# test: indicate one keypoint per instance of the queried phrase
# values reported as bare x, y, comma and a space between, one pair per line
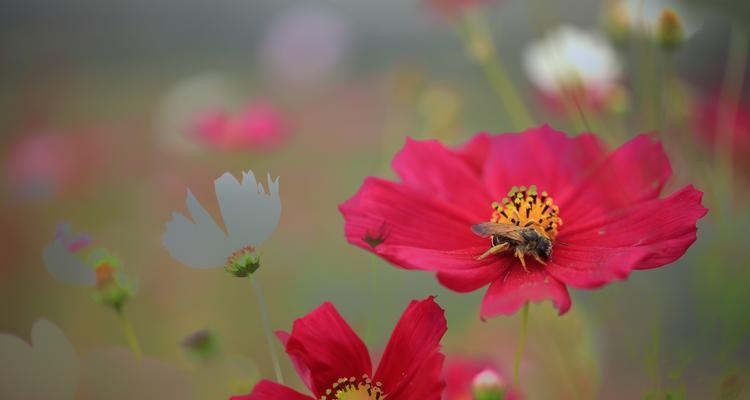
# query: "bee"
521, 240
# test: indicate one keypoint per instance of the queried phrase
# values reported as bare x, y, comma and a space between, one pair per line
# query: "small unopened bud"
243, 262
489, 385
201, 346
670, 33
112, 288
617, 21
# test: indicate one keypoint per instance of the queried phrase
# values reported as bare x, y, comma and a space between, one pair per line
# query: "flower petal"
250, 213
47, 368
635, 172
540, 156
325, 344
411, 362
431, 167
65, 266
471, 279
647, 235
518, 287
409, 222
198, 245
267, 390
302, 371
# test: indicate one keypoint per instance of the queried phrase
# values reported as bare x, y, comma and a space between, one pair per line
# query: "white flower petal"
570, 55
250, 213
201, 244
115, 374
48, 369
66, 266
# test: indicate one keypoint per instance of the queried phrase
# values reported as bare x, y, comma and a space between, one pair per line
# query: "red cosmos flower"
615, 221
707, 115
259, 126
463, 376
334, 363
452, 9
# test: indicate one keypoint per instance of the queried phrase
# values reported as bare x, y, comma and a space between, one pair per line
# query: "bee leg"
538, 259
494, 250
520, 255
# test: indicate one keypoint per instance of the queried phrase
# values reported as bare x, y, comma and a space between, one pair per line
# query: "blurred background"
111, 110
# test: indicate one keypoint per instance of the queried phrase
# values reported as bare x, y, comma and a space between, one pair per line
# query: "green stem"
130, 335
481, 48
374, 288
267, 329
521, 343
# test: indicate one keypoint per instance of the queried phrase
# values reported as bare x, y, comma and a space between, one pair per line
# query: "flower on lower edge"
250, 215
570, 65
469, 379
259, 126
334, 363
452, 9
46, 367
64, 260
615, 219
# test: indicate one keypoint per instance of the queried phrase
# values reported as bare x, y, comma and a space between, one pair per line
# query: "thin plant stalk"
480, 47
267, 329
130, 336
374, 290
521, 343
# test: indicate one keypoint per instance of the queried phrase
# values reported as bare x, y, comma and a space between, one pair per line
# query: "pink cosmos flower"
259, 126
334, 363
615, 220
42, 165
463, 376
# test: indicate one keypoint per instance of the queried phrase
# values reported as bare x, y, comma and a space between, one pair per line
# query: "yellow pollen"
528, 208
354, 389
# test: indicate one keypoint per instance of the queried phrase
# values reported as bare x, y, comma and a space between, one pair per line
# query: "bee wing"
487, 229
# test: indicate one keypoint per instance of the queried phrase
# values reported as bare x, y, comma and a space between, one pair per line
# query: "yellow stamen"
354, 389
528, 208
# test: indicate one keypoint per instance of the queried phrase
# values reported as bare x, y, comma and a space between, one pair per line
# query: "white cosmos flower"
116, 374
570, 56
45, 369
250, 214
62, 261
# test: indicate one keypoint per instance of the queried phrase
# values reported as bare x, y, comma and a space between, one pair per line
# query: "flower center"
528, 208
354, 389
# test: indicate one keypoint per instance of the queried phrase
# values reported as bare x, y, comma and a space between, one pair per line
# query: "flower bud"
243, 262
489, 385
112, 288
670, 33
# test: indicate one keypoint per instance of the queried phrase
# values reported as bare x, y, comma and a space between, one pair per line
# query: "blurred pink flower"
708, 115
452, 8
463, 374
306, 45
47, 163
259, 126
40, 165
